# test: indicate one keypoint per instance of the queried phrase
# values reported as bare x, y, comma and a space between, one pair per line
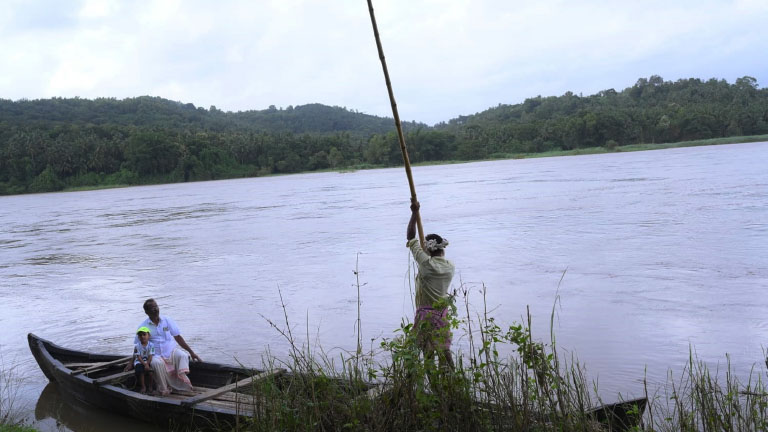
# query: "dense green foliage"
16, 428
47, 145
653, 110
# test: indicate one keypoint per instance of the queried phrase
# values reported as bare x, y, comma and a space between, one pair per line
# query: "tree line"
50, 144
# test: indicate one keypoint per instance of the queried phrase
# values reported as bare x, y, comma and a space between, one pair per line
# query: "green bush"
46, 181
87, 179
122, 177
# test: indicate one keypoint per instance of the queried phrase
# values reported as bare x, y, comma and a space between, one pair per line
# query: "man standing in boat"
431, 324
170, 364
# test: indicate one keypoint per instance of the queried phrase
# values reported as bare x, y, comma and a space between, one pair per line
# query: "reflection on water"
54, 411
61, 259
664, 250
163, 214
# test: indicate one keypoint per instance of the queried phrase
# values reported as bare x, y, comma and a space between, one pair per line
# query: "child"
143, 352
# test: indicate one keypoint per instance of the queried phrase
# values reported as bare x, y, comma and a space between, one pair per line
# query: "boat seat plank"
100, 366
239, 398
185, 393
212, 393
230, 398
242, 409
78, 365
111, 379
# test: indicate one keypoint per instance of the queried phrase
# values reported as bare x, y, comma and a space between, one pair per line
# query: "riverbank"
575, 152
618, 149
248, 173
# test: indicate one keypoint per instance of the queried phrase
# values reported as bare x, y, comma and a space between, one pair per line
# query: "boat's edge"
42, 356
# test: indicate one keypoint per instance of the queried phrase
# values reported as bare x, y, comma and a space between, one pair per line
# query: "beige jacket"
434, 277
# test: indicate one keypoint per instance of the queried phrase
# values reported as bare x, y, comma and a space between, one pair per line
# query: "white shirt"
161, 335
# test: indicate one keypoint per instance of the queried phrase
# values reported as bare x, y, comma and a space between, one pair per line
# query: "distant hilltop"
149, 111
58, 143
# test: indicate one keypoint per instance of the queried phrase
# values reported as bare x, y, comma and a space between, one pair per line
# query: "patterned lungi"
432, 328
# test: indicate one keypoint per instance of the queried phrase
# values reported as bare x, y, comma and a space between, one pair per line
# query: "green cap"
143, 330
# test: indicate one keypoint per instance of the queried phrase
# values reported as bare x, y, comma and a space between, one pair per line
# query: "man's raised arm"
411, 231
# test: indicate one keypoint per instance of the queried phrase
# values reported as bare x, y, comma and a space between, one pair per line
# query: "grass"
700, 400
694, 143
11, 419
636, 147
16, 428
531, 391
94, 187
534, 389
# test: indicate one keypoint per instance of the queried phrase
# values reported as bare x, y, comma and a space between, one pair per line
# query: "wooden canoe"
220, 395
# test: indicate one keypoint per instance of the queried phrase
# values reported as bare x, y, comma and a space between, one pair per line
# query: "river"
659, 252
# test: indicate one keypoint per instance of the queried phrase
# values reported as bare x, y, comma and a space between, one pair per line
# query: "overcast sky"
446, 57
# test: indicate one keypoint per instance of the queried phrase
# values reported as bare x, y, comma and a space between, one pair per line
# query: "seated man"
170, 364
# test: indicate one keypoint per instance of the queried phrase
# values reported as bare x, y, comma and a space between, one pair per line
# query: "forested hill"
156, 112
652, 110
47, 145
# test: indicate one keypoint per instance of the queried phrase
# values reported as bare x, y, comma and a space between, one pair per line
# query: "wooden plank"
242, 409
230, 399
231, 396
184, 393
210, 394
238, 397
78, 365
228, 396
109, 379
100, 366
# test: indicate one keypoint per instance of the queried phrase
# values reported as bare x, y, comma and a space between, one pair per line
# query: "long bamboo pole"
403, 149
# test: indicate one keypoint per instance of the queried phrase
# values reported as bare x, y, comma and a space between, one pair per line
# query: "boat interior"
214, 385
